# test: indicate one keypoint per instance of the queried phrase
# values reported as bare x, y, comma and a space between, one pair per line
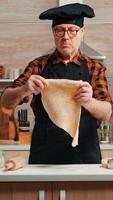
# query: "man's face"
67, 38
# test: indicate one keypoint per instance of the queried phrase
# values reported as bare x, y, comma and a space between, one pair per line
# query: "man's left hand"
84, 94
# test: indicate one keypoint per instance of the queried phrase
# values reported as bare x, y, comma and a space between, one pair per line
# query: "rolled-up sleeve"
32, 68
99, 83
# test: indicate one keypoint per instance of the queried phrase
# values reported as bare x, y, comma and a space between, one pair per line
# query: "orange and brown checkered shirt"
96, 70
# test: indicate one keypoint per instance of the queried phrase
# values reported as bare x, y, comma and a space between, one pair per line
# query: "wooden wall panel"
20, 43
109, 71
103, 10
100, 37
23, 36
110, 83
23, 10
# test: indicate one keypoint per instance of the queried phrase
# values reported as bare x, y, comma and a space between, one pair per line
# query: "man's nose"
66, 34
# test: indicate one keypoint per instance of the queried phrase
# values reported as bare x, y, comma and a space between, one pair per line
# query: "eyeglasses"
59, 32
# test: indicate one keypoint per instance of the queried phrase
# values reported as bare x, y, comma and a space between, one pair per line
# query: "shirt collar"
58, 58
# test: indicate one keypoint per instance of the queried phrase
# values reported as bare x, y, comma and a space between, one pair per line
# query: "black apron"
51, 144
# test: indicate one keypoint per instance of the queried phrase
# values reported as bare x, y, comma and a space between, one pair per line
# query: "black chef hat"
68, 14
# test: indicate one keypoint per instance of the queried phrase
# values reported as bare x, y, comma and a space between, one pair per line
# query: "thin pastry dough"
58, 101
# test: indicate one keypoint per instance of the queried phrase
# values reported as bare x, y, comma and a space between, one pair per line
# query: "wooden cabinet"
83, 191
25, 191
56, 191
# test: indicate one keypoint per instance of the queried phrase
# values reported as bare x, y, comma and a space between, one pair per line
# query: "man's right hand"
34, 85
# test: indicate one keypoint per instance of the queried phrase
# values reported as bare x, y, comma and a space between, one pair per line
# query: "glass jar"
104, 132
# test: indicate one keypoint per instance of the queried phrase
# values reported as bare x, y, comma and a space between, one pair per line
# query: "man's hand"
34, 85
84, 94
101, 110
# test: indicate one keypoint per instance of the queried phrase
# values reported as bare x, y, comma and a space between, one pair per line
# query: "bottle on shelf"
1, 71
103, 132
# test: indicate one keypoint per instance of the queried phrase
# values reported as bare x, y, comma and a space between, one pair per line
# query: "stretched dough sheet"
58, 101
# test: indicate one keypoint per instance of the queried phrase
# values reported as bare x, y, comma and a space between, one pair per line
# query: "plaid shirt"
96, 70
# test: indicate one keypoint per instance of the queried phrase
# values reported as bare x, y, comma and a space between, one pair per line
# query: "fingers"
84, 93
39, 81
35, 84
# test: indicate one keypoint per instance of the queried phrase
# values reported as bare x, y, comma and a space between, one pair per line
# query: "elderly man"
51, 144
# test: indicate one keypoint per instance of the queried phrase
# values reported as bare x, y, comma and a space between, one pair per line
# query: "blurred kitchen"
23, 37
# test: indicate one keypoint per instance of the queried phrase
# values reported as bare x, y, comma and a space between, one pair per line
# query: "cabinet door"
83, 191
25, 191
64, 191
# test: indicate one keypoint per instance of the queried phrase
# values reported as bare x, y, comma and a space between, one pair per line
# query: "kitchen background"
24, 37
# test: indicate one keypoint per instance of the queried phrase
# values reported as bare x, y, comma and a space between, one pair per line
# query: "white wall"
62, 2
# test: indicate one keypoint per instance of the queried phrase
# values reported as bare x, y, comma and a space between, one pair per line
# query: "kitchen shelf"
13, 147
6, 80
